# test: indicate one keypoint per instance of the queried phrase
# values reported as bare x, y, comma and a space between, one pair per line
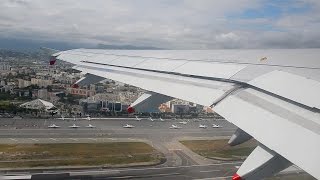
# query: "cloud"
178, 24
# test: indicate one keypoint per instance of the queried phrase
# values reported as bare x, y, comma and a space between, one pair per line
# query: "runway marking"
53, 139
73, 139
174, 167
82, 172
216, 170
34, 139
157, 168
224, 177
17, 177
13, 139
142, 176
93, 139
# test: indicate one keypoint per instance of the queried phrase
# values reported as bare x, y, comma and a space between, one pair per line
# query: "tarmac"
181, 163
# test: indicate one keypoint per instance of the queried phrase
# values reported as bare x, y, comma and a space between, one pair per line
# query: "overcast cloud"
177, 24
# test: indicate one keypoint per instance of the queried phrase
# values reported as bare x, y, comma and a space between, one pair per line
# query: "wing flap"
284, 130
290, 86
88, 79
160, 64
261, 163
210, 69
148, 102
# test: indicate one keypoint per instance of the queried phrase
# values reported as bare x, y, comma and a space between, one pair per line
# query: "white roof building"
38, 104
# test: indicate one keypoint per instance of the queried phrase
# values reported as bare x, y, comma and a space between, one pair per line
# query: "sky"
168, 24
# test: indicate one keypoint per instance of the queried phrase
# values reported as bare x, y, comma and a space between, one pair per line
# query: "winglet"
130, 110
53, 60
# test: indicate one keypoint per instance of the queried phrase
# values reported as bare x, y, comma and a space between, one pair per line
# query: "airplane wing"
271, 95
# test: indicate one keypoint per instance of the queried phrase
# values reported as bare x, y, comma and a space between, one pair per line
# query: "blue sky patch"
273, 9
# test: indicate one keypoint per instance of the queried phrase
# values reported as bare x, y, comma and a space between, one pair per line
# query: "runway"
157, 133
181, 163
217, 171
113, 128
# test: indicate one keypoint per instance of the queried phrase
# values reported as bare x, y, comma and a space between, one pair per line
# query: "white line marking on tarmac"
225, 177
13, 139
174, 167
34, 139
75, 173
141, 176
93, 139
73, 139
216, 170
16, 177
153, 168
53, 139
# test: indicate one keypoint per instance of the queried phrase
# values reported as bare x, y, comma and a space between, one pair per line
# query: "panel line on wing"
232, 90
145, 59
155, 77
201, 60
167, 72
208, 78
279, 111
210, 90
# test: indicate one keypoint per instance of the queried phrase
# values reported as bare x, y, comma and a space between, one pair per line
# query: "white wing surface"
271, 95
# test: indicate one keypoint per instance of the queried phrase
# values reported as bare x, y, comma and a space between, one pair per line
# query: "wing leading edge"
265, 100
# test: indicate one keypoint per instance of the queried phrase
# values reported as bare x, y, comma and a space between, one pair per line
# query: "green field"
219, 149
4, 103
77, 154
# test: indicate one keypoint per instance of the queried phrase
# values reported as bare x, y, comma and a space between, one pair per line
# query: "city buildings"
41, 82
81, 92
179, 108
38, 104
43, 94
5, 67
23, 83
30, 77
6, 88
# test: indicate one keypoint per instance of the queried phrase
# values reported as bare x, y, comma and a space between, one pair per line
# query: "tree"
6, 96
49, 88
